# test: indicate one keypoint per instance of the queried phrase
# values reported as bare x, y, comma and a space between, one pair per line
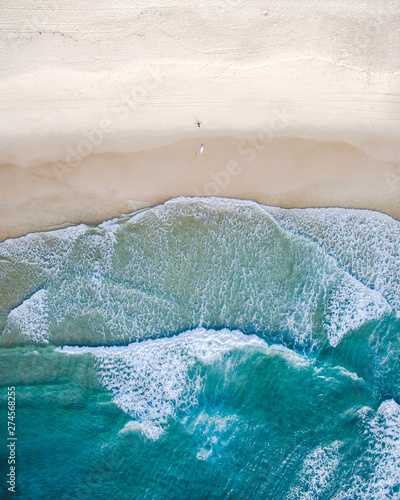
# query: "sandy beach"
298, 106
213, 320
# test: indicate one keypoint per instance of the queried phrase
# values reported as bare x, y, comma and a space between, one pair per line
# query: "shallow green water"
232, 351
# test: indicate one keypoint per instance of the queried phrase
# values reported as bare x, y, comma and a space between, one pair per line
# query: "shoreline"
284, 172
298, 106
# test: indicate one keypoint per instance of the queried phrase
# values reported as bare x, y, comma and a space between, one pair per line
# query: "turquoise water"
205, 348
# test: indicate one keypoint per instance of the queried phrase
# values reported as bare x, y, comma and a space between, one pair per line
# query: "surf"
188, 263
254, 348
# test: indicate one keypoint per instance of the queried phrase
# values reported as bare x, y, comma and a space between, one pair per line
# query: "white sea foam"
215, 429
151, 380
385, 449
49, 250
350, 303
30, 319
316, 474
291, 356
350, 306
383, 454
189, 262
149, 429
366, 243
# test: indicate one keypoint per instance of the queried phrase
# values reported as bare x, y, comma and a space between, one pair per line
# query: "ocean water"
204, 349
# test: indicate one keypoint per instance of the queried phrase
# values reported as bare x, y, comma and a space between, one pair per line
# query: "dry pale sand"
299, 106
